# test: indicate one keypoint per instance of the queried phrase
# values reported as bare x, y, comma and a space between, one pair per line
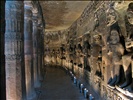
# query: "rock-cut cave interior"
66, 50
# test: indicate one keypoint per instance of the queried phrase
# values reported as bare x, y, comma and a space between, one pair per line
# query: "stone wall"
97, 48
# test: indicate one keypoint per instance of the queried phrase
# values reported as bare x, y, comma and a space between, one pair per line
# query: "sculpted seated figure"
128, 57
116, 50
128, 67
129, 22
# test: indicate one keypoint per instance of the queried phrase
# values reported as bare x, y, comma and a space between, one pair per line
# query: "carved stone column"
2, 56
28, 50
43, 51
42, 54
39, 47
14, 51
35, 57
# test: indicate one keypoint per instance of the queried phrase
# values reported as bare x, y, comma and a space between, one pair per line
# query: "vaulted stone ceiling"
60, 15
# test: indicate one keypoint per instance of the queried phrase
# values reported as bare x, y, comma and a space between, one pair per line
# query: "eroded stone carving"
103, 22
127, 59
129, 22
112, 16
79, 52
63, 51
116, 50
96, 53
87, 52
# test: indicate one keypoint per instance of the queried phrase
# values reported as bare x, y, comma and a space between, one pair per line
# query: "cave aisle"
57, 85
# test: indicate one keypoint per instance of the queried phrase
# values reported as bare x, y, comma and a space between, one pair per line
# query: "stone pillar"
14, 51
35, 57
2, 56
42, 55
39, 47
28, 50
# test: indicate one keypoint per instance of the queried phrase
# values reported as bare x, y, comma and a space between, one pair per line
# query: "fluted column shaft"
35, 57
14, 51
39, 52
28, 51
42, 54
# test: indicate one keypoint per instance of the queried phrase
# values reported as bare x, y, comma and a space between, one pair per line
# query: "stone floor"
58, 85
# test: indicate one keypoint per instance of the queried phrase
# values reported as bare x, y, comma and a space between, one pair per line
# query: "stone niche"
101, 40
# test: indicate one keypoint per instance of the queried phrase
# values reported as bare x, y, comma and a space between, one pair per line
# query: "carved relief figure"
96, 21
80, 55
53, 56
128, 57
75, 54
129, 22
71, 50
111, 15
63, 51
97, 52
116, 50
86, 51
56, 55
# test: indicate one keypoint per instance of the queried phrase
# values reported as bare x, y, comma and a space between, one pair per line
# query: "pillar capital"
34, 21
28, 4
32, 6
14, 10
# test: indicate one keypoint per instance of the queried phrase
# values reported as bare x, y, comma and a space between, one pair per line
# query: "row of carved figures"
114, 50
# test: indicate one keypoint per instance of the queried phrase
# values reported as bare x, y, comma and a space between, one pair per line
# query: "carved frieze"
107, 51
